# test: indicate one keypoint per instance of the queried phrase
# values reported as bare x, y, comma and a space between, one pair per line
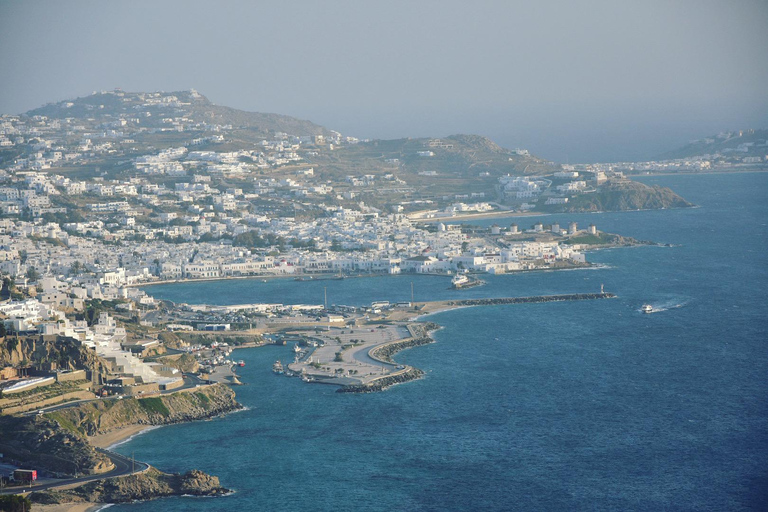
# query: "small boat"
241, 363
278, 367
647, 308
296, 349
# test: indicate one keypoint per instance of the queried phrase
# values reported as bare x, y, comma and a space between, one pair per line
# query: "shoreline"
486, 215
327, 276
587, 266
71, 507
694, 173
122, 435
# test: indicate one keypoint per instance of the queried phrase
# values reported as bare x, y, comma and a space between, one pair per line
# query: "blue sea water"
560, 406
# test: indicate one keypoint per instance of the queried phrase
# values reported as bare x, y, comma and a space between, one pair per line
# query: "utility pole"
325, 291
412, 295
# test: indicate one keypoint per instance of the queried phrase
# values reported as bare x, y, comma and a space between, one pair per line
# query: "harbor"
357, 356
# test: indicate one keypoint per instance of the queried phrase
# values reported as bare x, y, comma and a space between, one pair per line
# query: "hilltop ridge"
744, 143
116, 152
109, 104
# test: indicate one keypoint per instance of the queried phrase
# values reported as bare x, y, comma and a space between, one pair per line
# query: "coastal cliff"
143, 486
102, 416
57, 442
67, 353
620, 196
42, 443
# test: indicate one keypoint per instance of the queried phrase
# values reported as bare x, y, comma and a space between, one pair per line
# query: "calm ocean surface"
563, 406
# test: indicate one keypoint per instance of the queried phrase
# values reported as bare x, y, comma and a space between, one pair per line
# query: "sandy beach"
69, 507
117, 436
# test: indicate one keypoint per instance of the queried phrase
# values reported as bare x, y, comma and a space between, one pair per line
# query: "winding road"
123, 466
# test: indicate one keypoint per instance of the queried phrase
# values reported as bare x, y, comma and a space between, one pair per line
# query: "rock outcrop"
144, 486
103, 416
44, 444
620, 196
67, 353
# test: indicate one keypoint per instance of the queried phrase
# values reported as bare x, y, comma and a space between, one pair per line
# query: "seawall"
529, 300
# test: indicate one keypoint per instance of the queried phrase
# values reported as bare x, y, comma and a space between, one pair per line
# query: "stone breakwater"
384, 354
530, 300
383, 383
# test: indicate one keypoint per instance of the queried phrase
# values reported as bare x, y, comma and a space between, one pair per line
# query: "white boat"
459, 280
278, 367
647, 308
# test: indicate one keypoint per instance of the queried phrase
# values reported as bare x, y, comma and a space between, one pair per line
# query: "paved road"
123, 466
190, 381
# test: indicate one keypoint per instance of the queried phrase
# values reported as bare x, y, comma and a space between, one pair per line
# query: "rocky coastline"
103, 416
60, 443
143, 486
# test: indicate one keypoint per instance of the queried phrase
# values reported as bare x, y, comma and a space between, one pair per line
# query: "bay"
558, 406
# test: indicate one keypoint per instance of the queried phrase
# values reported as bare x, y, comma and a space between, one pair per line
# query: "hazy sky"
569, 80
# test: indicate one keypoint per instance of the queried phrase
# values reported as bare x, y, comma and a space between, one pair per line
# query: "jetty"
434, 306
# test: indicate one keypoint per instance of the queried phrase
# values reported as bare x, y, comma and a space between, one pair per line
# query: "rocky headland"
102, 416
59, 444
143, 486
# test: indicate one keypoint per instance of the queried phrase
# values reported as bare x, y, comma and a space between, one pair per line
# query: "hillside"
42, 443
433, 167
626, 195
107, 106
742, 143
98, 417
123, 150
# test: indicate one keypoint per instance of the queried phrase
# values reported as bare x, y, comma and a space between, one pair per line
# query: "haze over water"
560, 406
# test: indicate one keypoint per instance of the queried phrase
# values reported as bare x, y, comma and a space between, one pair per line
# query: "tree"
14, 503
76, 268
32, 274
23, 256
5, 293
